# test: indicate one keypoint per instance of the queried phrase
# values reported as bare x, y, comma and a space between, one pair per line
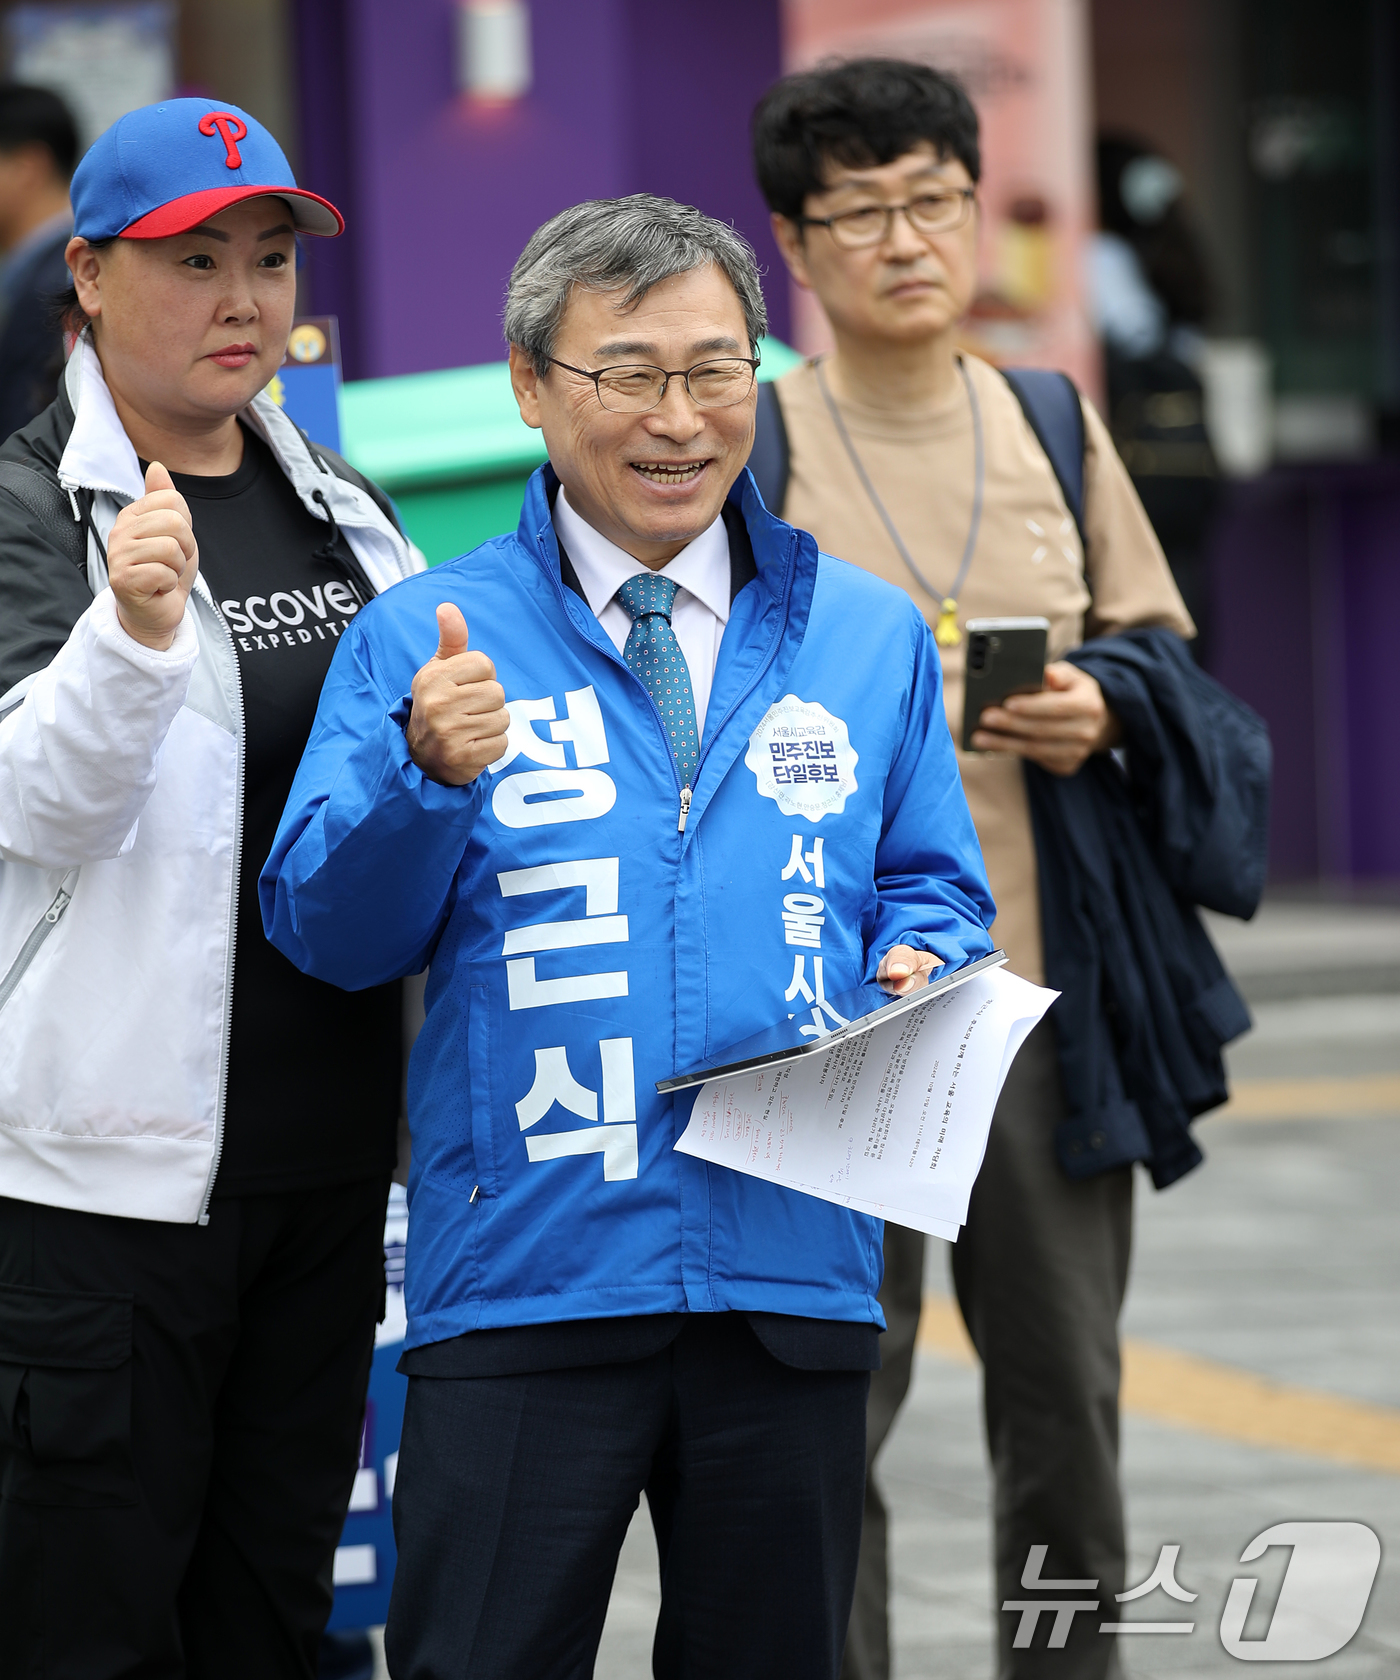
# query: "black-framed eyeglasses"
635, 388
938, 212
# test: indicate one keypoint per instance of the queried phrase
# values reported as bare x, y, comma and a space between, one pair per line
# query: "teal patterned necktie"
655, 655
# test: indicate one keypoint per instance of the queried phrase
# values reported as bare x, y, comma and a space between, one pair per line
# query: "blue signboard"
307, 385
365, 1557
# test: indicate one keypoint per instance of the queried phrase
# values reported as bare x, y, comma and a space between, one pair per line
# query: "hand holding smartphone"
1005, 656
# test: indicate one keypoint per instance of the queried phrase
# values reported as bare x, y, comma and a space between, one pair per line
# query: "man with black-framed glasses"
940, 207
700, 785
916, 460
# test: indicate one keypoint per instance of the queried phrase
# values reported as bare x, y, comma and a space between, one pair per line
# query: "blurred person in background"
38, 149
195, 1138
1150, 293
926, 466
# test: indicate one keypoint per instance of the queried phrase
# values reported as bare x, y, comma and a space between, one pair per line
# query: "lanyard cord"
89, 527
946, 631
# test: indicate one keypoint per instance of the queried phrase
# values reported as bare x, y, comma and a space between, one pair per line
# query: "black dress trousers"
514, 1493
180, 1411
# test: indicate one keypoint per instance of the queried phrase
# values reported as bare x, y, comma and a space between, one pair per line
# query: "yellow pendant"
946, 632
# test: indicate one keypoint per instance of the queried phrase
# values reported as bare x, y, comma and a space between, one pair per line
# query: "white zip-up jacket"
121, 805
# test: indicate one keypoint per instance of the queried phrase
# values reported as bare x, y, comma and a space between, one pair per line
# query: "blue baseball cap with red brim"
166, 168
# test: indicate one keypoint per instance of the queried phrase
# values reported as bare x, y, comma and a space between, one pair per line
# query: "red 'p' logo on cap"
230, 130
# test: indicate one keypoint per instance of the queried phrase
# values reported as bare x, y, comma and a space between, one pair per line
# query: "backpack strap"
1050, 403
769, 459
40, 495
1049, 400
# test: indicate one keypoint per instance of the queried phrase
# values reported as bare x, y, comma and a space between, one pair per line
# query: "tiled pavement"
1279, 1258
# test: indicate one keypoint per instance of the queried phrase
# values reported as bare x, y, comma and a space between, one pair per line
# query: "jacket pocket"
483, 1079
36, 936
65, 1398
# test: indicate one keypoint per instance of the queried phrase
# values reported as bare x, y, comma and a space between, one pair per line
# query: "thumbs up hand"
452, 632
152, 560
459, 721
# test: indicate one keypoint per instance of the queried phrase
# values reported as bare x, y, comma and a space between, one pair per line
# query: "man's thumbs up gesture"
459, 721
152, 559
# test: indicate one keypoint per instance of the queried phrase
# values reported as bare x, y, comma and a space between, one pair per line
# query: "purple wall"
1306, 570
441, 195
323, 51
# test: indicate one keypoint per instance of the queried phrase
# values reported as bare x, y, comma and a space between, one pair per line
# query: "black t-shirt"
314, 1072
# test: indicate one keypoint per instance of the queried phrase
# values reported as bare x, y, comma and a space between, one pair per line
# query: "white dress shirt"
701, 610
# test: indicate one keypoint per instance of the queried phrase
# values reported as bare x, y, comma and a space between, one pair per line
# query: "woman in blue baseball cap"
195, 1139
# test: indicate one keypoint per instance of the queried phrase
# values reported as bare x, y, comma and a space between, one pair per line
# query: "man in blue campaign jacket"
724, 792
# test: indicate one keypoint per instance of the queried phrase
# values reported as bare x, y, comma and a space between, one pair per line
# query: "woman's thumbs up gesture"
152, 559
459, 721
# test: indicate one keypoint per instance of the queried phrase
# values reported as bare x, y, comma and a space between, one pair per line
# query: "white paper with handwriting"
894, 1122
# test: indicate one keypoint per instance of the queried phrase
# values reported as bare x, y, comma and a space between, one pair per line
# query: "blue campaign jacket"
582, 946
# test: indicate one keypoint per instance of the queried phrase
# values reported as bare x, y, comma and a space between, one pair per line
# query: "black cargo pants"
180, 1410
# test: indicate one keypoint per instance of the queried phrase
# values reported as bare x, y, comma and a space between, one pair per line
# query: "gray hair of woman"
625, 245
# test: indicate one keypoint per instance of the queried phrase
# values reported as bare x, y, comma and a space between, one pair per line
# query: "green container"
451, 449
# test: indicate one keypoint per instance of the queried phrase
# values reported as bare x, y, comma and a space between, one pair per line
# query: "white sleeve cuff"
180, 655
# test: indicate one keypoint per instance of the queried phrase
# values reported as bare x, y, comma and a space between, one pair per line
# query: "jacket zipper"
739, 699
233, 908
37, 935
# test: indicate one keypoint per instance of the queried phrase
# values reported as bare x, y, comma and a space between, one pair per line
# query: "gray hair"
627, 245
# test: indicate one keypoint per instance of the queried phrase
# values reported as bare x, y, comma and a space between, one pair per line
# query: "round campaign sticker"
803, 758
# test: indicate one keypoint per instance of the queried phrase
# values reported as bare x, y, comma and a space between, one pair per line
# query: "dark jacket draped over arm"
1127, 849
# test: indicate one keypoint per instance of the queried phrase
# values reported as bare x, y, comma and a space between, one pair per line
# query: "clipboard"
849, 1015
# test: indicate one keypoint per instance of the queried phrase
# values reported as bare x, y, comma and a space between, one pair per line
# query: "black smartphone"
1005, 656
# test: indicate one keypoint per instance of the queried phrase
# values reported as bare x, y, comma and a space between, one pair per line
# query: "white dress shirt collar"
702, 566
701, 608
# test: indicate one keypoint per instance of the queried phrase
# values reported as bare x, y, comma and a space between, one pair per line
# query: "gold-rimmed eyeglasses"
938, 212
635, 388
